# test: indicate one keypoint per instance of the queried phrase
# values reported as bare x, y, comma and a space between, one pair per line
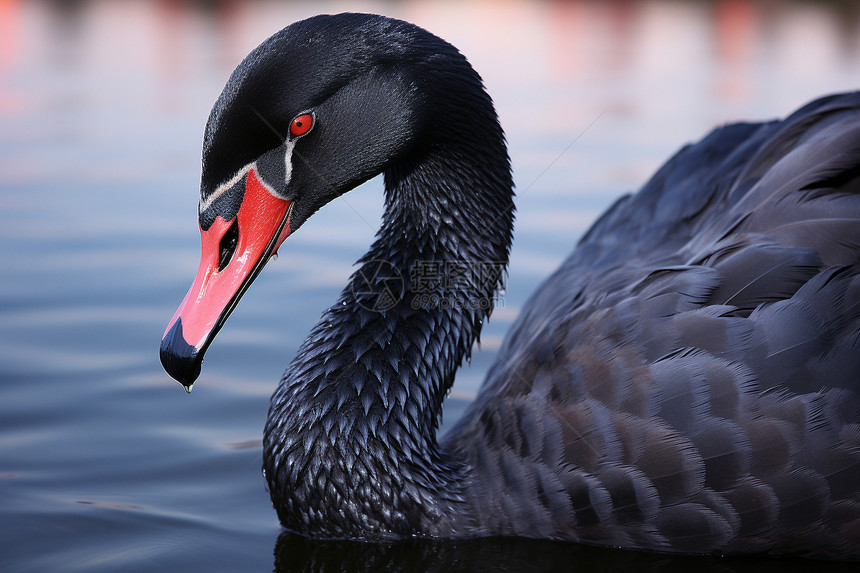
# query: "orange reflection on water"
8, 50
735, 25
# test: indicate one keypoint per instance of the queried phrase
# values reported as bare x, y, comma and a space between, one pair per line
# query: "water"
105, 463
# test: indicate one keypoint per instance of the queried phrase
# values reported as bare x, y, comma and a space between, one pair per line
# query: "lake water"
105, 463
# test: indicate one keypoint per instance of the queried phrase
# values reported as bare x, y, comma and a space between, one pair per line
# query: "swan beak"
233, 254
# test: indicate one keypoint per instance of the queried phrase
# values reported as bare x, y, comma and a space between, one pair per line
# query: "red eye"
301, 125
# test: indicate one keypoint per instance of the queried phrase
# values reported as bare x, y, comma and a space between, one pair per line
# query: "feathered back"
688, 379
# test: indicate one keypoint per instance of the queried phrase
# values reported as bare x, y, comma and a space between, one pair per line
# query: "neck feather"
350, 447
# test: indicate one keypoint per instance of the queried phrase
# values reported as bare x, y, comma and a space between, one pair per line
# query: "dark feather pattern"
686, 381
733, 338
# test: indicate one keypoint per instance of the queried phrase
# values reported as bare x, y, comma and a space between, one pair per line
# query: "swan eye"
301, 125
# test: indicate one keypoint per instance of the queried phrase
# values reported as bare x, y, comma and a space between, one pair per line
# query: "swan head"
317, 109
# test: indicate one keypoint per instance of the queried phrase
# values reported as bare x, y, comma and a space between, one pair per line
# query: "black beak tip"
179, 359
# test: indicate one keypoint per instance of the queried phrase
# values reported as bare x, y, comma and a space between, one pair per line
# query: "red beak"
233, 254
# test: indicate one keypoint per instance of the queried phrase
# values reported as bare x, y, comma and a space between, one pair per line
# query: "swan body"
687, 381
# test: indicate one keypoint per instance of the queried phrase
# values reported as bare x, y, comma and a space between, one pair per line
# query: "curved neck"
350, 447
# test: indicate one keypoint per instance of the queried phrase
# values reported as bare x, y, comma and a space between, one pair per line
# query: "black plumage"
718, 311
686, 381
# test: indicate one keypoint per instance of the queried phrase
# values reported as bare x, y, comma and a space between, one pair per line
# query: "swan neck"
356, 415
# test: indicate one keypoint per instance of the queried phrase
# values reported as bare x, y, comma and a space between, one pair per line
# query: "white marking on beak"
223, 188
227, 185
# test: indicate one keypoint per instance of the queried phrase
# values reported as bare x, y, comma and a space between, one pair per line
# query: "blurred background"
105, 464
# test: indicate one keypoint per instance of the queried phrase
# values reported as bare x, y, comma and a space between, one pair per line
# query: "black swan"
686, 382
